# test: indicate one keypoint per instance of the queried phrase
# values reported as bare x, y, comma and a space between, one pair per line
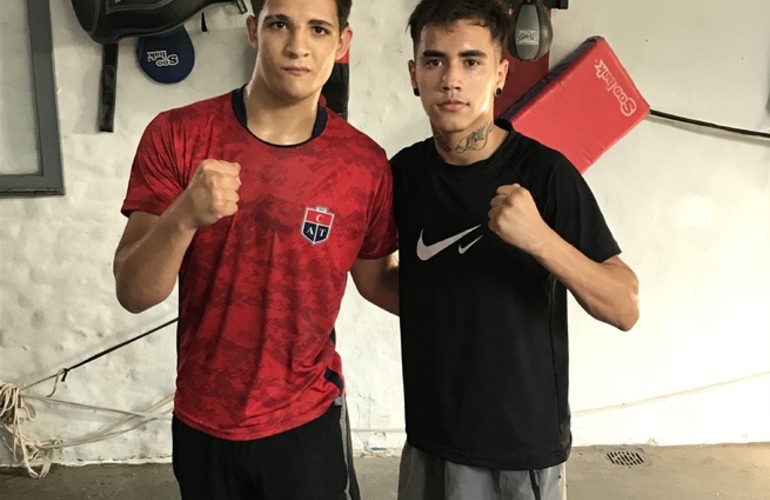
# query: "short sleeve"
155, 181
381, 239
575, 215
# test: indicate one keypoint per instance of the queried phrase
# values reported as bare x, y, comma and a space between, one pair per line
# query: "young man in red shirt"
261, 201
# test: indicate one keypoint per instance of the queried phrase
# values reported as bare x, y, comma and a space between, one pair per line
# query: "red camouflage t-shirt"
259, 292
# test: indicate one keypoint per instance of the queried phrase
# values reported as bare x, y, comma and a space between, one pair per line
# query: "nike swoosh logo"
427, 252
463, 249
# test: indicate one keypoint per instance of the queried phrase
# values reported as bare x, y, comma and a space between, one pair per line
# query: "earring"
498, 92
416, 92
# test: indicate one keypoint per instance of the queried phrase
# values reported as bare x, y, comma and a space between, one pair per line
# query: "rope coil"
16, 411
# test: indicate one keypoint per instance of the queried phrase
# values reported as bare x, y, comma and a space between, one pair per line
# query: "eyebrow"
286, 19
464, 53
321, 22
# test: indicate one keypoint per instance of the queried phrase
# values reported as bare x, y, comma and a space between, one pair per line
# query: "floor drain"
625, 458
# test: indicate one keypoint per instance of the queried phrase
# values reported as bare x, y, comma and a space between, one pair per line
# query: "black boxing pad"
336, 91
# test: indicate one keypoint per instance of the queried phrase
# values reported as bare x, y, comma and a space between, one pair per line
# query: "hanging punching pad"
583, 106
531, 32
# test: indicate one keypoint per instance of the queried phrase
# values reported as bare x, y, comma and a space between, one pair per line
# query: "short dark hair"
491, 14
343, 10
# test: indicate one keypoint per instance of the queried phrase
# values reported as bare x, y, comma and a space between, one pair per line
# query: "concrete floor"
730, 472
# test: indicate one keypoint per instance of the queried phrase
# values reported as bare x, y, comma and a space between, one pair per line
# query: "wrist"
545, 243
178, 216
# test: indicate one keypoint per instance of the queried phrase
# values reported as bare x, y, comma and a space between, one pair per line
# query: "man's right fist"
213, 192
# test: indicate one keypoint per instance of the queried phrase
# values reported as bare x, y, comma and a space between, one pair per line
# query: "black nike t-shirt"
483, 324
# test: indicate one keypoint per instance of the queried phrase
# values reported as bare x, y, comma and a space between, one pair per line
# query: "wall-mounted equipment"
531, 33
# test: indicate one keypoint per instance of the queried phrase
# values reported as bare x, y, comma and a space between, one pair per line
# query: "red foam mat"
522, 76
583, 106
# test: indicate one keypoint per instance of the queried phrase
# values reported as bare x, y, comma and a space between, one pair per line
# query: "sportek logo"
427, 252
627, 104
162, 58
317, 224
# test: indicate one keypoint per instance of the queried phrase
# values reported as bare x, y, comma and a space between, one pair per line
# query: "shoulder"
176, 125
350, 142
411, 154
205, 109
340, 129
538, 161
537, 154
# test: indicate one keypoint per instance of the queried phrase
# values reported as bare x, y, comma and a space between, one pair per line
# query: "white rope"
15, 411
140, 414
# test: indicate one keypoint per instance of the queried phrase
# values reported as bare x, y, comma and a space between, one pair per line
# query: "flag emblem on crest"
317, 224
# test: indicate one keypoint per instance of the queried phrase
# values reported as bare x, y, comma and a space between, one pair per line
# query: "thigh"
305, 463
542, 484
420, 475
551, 482
204, 466
423, 476
353, 491
190, 458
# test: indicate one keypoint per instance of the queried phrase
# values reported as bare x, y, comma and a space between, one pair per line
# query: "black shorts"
311, 462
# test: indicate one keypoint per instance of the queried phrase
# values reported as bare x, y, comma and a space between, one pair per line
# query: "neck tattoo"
442, 144
476, 141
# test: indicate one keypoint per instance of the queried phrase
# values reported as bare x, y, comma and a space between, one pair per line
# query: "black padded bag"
108, 21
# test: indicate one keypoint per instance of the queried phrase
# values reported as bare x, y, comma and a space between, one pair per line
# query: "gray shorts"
426, 477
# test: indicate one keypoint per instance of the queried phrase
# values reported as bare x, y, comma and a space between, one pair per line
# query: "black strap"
114, 348
108, 87
241, 4
535, 485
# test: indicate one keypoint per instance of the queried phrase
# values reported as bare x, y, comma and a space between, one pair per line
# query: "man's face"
297, 43
457, 69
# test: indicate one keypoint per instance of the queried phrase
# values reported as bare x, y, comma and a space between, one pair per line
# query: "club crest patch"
317, 224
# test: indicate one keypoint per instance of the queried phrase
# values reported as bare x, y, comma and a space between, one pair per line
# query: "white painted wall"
691, 210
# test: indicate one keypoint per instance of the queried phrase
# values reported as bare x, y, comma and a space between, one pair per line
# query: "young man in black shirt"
494, 228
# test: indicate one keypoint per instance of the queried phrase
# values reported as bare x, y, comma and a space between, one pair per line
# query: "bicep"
366, 273
574, 213
377, 281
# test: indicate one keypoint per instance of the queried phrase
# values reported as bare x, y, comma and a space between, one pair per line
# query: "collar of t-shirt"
483, 169
239, 108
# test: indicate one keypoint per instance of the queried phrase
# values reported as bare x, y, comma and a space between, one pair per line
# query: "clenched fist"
515, 219
212, 193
